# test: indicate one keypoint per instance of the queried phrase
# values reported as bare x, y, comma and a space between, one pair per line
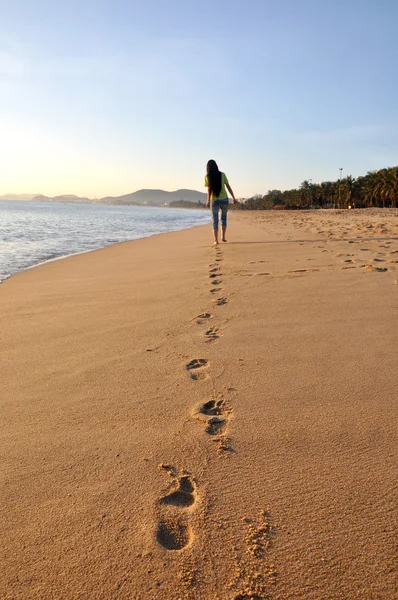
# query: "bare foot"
215, 244
224, 240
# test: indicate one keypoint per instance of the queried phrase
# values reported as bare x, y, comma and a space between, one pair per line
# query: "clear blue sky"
105, 97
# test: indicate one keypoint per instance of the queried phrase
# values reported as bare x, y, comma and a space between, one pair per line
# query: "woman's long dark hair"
214, 177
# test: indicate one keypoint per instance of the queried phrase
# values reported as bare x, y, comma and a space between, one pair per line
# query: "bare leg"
224, 229
215, 231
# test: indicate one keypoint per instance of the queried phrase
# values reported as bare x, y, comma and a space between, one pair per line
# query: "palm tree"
324, 192
388, 186
358, 192
347, 190
305, 188
369, 188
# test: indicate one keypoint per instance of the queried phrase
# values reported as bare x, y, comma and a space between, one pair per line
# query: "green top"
223, 194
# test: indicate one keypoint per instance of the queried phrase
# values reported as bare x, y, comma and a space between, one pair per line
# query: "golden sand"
180, 421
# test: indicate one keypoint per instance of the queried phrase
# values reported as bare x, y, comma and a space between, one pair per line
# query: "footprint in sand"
212, 334
214, 270
196, 368
215, 282
216, 415
221, 301
215, 290
373, 268
214, 411
214, 275
173, 530
203, 318
184, 495
173, 534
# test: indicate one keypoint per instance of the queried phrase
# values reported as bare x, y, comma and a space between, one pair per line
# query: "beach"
187, 422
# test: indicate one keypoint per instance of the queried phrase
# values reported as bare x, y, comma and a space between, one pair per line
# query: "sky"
104, 97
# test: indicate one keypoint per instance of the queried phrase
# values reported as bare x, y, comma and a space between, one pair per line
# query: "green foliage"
186, 204
376, 188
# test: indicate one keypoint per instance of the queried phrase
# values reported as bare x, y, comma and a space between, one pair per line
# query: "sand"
184, 422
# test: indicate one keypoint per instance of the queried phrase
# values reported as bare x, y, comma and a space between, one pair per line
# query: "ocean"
35, 232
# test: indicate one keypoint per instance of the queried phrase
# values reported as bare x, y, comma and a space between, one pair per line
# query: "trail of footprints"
377, 264
380, 262
214, 413
176, 509
212, 333
174, 529
215, 281
365, 232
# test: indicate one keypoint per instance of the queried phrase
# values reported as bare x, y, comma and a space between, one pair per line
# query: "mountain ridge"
143, 197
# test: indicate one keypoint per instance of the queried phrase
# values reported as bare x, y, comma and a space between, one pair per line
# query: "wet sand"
183, 421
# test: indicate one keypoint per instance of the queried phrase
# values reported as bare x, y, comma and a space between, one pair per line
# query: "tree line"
186, 204
375, 189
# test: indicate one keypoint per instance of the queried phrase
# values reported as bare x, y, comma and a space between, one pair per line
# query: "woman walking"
217, 197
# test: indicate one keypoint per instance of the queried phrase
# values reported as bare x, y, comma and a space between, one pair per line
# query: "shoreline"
183, 421
245, 212
63, 256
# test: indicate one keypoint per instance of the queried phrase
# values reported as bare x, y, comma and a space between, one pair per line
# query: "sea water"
35, 232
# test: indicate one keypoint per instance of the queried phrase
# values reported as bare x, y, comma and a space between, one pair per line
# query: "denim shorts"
217, 205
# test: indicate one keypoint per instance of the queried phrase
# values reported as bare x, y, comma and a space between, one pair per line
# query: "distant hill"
156, 197
139, 198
